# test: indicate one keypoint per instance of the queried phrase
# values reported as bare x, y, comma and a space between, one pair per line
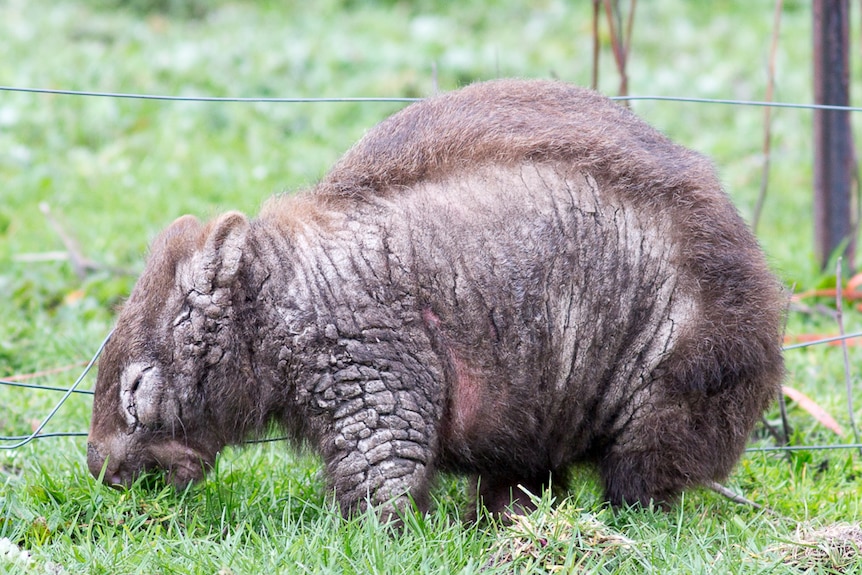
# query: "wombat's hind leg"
670, 448
631, 479
654, 462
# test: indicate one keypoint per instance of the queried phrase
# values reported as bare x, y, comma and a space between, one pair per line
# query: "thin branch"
767, 117
80, 264
435, 83
43, 373
630, 28
596, 45
839, 317
785, 421
619, 44
724, 491
736, 498
619, 58
782, 401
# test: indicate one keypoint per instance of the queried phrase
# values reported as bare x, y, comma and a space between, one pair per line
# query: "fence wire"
22, 440
171, 98
372, 99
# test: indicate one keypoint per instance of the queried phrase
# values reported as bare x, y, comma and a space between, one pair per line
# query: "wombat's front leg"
380, 449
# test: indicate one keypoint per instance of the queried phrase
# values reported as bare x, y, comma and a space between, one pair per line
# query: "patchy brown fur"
502, 281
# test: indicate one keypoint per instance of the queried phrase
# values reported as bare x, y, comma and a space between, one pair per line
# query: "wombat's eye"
139, 378
136, 383
184, 315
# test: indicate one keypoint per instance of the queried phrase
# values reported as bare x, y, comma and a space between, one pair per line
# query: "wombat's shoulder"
509, 122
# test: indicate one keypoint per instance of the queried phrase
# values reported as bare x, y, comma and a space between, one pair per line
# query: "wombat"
501, 281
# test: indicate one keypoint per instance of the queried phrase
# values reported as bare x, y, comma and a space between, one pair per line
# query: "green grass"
115, 171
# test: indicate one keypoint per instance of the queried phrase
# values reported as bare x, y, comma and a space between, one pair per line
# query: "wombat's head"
152, 407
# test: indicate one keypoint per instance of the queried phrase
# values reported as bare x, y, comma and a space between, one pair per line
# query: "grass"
115, 171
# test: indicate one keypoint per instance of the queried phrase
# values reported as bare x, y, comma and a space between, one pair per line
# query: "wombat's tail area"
682, 441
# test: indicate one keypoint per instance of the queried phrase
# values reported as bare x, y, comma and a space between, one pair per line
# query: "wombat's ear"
177, 240
222, 251
174, 245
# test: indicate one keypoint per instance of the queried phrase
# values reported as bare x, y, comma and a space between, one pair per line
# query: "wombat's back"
512, 121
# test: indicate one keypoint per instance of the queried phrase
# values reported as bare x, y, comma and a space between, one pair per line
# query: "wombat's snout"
122, 464
96, 461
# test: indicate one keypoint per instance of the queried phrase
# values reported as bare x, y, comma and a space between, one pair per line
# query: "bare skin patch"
467, 394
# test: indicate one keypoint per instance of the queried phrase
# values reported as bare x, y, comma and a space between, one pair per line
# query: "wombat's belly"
550, 305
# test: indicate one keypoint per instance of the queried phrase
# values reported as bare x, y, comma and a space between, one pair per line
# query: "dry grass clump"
563, 539
835, 548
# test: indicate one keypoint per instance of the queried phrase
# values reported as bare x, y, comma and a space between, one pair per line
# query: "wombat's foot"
641, 478
393, 486
392, 513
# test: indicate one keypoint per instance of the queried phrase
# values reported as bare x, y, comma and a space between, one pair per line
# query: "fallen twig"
81, 264
51, 371
736, 498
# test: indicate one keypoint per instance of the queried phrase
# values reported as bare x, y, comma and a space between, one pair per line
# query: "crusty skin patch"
501, 281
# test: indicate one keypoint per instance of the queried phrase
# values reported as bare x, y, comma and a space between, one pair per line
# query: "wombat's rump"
503, 281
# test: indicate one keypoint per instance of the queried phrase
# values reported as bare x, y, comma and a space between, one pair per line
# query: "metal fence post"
833, 139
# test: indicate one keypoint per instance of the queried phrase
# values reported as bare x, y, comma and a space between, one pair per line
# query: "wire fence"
21, 440
363, 99
15, 442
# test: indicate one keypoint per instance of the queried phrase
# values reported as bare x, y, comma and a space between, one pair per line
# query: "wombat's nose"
96, 461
